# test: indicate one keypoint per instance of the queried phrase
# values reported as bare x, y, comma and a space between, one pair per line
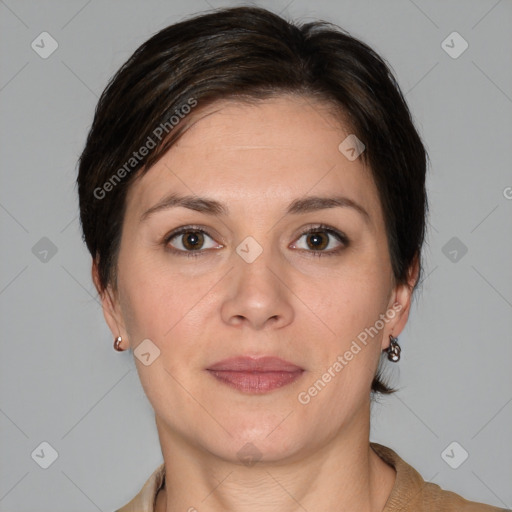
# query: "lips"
255, 375
252, 364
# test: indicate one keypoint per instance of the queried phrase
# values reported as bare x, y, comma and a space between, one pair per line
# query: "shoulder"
411, 492
144, 501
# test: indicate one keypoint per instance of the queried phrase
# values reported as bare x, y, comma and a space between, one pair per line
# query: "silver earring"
393, 349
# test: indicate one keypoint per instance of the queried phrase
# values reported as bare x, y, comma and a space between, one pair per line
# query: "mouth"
255, 375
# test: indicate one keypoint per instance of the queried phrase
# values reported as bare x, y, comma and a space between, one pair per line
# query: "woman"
253, 196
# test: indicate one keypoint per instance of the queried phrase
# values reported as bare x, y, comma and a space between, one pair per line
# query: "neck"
344, 474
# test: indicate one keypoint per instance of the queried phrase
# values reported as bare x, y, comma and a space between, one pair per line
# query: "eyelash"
341, 237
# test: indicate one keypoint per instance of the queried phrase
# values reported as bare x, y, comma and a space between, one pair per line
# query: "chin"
259, 437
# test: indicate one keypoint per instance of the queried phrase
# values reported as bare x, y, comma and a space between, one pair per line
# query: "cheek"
346, 360
353, 298
147, 297
163, 304
351, 305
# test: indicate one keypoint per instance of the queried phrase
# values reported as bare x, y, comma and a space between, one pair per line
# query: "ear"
110, 305
400, 302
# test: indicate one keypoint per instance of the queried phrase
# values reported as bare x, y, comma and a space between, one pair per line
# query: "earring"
117, 343
393, 349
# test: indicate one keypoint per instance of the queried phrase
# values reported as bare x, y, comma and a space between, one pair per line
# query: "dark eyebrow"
314, 203
213, 207
199, 204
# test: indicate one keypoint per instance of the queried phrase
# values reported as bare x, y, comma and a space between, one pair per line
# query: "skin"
288, 303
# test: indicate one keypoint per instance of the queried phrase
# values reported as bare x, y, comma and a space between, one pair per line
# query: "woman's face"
248, 281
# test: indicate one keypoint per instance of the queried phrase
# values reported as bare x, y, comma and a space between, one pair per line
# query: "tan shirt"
409, 494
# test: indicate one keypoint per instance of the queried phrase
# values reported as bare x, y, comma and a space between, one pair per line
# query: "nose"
257, 295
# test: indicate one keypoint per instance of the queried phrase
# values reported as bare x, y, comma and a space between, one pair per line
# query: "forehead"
260, 155
288, 123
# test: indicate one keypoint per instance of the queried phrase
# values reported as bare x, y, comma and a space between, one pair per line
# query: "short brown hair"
250, 53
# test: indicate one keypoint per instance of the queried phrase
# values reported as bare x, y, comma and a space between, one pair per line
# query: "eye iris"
317, 244
194, 238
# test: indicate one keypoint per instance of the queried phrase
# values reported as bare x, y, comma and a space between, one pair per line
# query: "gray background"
60, 379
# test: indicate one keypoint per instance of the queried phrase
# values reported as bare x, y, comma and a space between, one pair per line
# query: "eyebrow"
215, 208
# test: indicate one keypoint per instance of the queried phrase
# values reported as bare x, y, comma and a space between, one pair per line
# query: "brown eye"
317, 240
188, 241
192, 240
